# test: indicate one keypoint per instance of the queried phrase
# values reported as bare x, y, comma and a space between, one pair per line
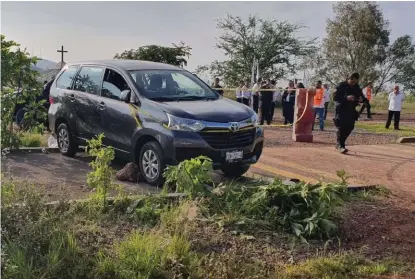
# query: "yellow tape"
250, 89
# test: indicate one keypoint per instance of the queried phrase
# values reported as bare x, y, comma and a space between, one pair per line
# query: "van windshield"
168, 85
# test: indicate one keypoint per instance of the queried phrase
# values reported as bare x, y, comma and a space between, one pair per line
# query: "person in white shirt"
395, 106
326, 99
239, 92
255, 95
274, 98
246, 93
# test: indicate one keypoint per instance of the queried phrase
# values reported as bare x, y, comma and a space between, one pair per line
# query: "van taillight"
51, 100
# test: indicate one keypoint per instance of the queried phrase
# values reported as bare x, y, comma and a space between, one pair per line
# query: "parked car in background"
21, 108
152, 114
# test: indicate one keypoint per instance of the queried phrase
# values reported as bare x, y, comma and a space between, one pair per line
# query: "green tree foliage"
17, 75
176, 55
358, 41
272, 42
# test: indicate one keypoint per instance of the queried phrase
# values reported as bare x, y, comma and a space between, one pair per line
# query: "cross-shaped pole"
62, 52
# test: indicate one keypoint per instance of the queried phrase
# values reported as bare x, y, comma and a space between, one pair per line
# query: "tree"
17, 76
358, 41
175, 55
272, 42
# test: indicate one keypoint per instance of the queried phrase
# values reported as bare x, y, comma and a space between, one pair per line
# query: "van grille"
226, 140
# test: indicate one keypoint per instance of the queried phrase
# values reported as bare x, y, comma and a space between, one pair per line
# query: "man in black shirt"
216, 85
266, 102
288, 102
346, 97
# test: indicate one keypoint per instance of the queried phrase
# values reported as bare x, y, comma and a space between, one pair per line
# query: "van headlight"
184, 124
254, 120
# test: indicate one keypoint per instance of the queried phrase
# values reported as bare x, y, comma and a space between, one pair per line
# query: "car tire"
234, 170
151, 163
66, 144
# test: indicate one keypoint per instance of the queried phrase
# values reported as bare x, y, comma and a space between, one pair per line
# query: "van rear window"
65, 80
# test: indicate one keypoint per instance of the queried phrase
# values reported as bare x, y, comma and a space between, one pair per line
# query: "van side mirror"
125, 96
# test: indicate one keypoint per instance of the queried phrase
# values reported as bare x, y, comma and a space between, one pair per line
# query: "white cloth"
255, 89
238, 92
245, 92
277, 95
327, 95
395, 101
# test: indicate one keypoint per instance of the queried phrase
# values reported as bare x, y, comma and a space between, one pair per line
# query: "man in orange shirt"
319, 100
368, 93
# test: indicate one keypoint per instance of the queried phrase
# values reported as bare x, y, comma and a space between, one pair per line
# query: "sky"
98, 30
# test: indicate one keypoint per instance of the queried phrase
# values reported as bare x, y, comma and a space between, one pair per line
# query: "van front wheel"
151, 163
234, 170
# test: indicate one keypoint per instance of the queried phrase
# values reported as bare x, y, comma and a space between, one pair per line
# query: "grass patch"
380, 129
29, 139
339, 266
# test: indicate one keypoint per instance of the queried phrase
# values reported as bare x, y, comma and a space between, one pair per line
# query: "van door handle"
102, 106
72, 97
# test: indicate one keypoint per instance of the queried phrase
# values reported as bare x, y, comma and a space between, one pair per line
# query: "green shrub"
28, 139
301, 208
100, 178
145, 255
190, 176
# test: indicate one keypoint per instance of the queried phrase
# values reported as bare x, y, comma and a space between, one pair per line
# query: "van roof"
128, 65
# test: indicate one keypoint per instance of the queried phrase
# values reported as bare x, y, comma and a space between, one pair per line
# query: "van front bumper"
186, 145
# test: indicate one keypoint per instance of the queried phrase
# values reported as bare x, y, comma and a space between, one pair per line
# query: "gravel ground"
281, 136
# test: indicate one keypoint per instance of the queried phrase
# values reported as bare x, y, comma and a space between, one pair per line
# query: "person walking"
395, 106
326, 99
239, 92
319, 101
288, 101
367, 92
246, 93
266, 102
255, 94
346, 97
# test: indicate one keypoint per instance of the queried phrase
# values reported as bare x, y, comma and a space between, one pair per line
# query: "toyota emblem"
234, 127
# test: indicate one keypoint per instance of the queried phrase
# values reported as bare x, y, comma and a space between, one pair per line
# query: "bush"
28, 139
148, 255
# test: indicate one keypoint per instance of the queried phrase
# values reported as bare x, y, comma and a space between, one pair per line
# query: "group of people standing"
263, 95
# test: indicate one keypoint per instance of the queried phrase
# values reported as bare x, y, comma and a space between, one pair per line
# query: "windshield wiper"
164, 99
195, 98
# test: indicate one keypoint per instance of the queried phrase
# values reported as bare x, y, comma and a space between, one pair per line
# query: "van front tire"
66, 144
151, 163
234, 170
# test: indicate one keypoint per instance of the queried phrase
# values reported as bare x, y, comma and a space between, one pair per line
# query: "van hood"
220, 110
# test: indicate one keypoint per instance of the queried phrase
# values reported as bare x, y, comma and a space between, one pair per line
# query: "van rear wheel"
151, 163
66, 144
234, 170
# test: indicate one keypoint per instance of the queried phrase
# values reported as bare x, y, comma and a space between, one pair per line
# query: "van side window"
89, 80
66, 78
113, 85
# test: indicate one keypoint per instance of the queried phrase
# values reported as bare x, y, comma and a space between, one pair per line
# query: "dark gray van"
152, 114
